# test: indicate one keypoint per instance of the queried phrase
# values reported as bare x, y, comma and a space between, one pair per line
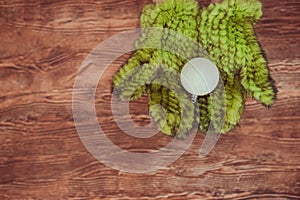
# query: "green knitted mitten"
226, 32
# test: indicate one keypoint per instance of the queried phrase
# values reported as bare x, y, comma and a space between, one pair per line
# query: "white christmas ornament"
199, 76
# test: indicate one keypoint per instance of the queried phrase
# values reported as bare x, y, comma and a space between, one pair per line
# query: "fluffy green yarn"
225, 30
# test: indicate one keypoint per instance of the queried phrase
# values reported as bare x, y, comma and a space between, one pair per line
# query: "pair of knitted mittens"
225, 31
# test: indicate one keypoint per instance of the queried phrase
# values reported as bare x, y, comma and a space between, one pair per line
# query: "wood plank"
43, 43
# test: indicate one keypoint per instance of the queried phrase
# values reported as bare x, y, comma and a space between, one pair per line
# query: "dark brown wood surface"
42, 45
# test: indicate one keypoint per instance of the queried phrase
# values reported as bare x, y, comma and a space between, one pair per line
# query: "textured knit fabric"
225, 31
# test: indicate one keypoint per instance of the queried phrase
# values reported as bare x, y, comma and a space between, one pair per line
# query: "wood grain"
43, 43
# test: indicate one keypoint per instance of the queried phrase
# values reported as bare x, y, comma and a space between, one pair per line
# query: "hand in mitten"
226, 31
159, 68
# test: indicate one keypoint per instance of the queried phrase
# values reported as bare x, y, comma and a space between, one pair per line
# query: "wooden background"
43, 43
